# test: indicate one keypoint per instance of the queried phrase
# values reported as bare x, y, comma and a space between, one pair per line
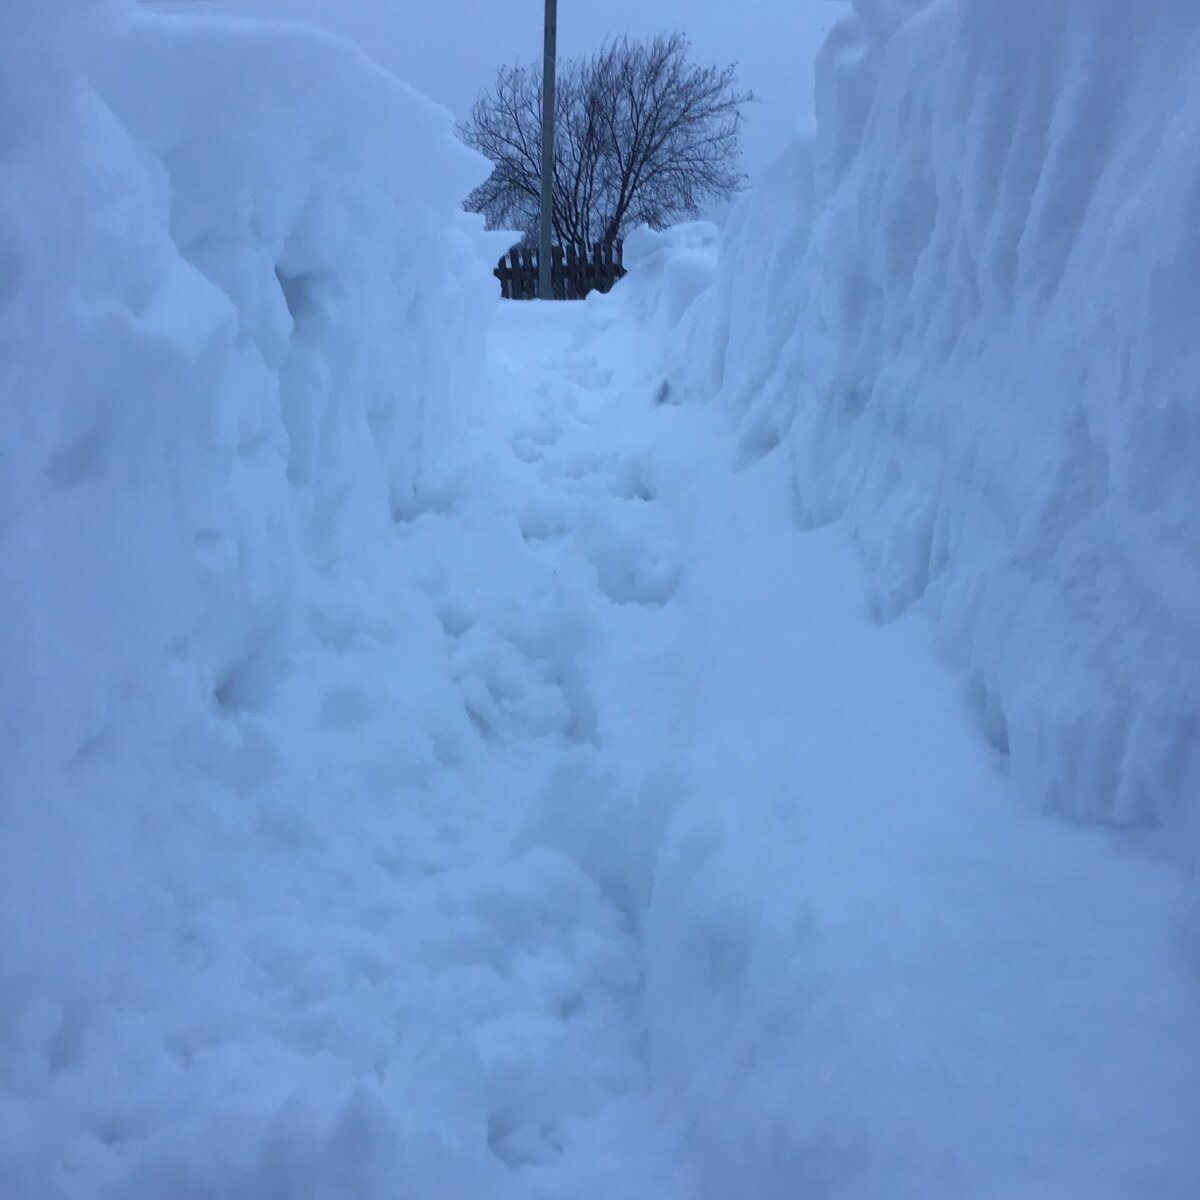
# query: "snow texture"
198, 243
437, 760
194, 366
872, 967
968, 310
239, 309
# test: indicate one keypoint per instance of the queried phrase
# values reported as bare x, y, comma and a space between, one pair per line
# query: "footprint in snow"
531, 442
454, 617
540, 521
590, 375
630, 569
633, 481
648, 581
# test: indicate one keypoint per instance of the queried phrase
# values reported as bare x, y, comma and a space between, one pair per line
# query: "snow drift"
961, 321
238, 309
870, 968
498, 816
968, 307
235, 309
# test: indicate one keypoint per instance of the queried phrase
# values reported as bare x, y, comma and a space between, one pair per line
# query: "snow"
235, 326
967, 309
444, 753
871, 966
266, 428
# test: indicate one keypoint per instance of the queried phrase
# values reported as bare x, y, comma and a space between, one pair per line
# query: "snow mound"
237, 304
239, 310
968, 307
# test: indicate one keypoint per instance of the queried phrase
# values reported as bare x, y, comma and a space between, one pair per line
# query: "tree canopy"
642, 134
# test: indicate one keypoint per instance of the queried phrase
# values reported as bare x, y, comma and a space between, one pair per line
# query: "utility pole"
545, 244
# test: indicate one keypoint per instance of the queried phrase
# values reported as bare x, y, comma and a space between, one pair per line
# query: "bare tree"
642, 135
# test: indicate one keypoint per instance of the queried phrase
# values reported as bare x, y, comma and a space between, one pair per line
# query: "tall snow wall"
237, 301
239, 308
969, 308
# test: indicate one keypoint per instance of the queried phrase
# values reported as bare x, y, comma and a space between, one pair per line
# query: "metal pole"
550, 51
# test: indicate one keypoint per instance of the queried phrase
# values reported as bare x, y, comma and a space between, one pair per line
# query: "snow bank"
869, 968
236, 306
238, 310
969, 307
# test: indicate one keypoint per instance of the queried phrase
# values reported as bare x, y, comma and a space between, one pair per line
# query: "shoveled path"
869, 968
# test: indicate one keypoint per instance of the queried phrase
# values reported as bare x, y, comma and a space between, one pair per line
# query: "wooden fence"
576, 270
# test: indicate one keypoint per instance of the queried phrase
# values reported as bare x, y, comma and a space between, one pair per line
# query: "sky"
450, 49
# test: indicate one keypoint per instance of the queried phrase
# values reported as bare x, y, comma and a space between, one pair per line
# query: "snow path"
869, 967
400, 801
594, 844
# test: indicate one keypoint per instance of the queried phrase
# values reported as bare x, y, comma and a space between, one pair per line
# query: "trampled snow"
873, 967
444, 754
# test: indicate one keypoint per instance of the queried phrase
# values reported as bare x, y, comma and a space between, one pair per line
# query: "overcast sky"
450, 49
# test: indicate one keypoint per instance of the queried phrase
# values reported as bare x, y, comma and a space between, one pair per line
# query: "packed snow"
683, 744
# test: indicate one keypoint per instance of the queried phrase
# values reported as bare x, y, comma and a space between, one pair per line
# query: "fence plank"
518, 269
572, 288
525, 255
556, 273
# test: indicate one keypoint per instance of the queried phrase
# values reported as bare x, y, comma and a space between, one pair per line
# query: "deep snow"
442, 755
872, 967
967, 308
527, 877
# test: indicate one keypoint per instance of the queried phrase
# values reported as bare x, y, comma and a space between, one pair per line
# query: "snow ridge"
968, 308
238, 369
